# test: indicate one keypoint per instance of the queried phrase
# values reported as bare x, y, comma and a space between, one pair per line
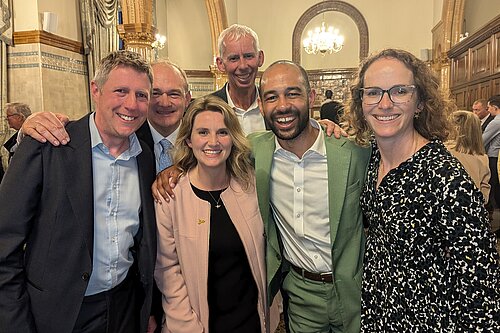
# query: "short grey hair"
19, 108
236, 31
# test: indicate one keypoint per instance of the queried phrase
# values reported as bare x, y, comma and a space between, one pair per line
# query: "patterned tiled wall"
48, 79
200, 86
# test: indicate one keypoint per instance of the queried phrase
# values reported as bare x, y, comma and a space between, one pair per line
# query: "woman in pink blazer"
210, 266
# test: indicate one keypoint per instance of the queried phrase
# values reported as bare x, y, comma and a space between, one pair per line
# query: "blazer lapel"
79, 179
263, 155
338, 171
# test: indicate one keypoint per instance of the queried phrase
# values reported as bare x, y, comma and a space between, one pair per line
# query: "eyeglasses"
11, 115
398, 94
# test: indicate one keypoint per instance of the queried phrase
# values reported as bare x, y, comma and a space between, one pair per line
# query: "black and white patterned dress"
431, 264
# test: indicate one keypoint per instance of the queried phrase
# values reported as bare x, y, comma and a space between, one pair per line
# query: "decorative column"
217, 19
137, 30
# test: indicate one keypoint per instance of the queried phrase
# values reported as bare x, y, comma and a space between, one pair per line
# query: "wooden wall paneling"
495, 50
484, 90
495, 87
460, 96
459, 72
480, 60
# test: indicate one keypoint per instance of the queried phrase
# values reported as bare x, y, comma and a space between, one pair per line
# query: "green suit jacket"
347, 165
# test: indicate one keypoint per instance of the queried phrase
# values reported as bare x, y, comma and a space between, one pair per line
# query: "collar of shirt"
318, 147
485, 118
157, 136
133, 150
255, 104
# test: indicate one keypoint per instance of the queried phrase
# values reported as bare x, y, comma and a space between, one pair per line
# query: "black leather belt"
321, 277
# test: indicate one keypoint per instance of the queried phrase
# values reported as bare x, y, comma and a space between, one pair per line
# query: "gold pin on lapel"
201, 221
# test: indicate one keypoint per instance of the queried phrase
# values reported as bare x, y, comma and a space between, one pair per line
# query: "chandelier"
323, 41
158, 44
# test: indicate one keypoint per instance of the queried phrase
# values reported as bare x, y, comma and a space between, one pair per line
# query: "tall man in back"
240, 57
308, 186
85, 216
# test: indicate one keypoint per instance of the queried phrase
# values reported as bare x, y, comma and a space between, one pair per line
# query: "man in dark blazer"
480, 109
240, 58
169, 100
16, 114
78, 203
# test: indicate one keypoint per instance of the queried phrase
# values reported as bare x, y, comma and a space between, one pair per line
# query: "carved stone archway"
328, 6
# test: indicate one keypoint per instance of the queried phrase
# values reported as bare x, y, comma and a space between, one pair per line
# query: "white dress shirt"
251, 119
299, 202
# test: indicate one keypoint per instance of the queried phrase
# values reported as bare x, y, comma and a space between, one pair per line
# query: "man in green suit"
308, 186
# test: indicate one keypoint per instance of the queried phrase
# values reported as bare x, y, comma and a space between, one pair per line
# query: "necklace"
217, 204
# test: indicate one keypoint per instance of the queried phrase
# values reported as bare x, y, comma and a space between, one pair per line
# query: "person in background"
15, 114
78, 239
431, 263
331, 109
210, 266
466, 144
491, 141
239, 58
480, 109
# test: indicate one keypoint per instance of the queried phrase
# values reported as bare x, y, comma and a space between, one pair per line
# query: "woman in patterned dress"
431, 264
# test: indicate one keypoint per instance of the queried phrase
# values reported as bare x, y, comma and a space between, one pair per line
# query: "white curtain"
100, 35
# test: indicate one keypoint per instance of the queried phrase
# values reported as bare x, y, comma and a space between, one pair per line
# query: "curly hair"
435, 107
238, 164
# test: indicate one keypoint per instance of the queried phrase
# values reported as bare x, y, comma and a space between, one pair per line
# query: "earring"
416, 115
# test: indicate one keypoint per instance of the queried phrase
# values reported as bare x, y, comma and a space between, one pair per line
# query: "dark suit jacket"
486, 122
144, 134
11, 143
49, 193
221, 93
331, 110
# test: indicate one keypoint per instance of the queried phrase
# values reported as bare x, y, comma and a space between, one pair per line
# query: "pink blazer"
181, 271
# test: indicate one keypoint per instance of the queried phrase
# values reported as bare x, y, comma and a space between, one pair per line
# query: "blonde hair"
434, 107
238, 164
466, 136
